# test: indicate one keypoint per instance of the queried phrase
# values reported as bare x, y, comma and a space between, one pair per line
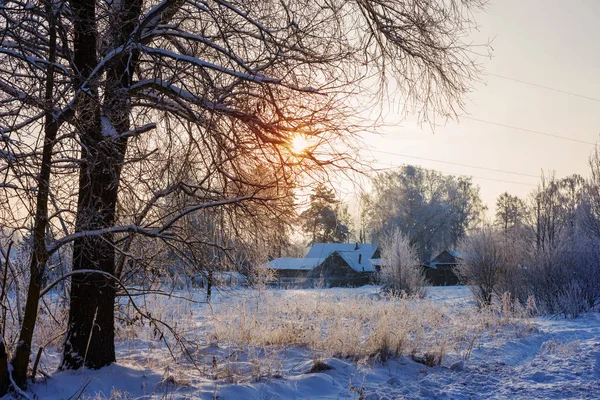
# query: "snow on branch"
252, 77
157, 232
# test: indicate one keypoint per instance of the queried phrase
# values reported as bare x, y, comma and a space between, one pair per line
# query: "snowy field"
232, 352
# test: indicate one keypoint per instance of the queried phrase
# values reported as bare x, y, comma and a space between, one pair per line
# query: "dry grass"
356, 327
240, 338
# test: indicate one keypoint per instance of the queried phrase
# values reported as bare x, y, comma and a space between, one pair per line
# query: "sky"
541, 42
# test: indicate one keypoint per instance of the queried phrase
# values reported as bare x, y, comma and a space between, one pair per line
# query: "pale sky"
548, 43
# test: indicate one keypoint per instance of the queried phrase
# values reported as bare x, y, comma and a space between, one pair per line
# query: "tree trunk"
209, 284
90, 336
20, 360
4, 378
90, 326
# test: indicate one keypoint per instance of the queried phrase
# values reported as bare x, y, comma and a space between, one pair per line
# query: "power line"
483, 121
458, 164
466, 176
527, 130
544, 87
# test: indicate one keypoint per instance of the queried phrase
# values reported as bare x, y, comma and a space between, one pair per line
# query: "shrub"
483, 261
400, 273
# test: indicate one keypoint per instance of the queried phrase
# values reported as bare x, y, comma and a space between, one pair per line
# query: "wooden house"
330, 265
440, 270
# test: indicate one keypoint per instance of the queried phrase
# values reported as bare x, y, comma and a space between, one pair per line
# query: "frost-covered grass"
265, 344
355, 326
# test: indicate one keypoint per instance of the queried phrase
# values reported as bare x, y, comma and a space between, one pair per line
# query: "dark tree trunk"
209, 284
90, 336
20, 360
4, 379
90, 332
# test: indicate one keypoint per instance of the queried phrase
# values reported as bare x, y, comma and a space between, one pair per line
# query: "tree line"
542, 250
433, 210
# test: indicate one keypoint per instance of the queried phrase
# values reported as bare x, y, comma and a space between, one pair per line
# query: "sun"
299, 144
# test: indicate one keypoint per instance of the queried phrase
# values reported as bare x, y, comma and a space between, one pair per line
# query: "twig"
36, 363
89, 339
3, 293
81, 389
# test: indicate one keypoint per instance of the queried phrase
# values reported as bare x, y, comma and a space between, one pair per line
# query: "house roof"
294, 263
358, 256
377, 262
357, 261
454, 253
446, 257
323, 250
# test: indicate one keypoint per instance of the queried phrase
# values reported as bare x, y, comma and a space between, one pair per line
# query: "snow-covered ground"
551, 358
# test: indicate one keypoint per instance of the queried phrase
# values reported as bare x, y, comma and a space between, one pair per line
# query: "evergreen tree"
326, 219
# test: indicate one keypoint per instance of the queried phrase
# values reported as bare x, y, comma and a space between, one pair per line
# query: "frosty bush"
565, 279
483, 261
400, 273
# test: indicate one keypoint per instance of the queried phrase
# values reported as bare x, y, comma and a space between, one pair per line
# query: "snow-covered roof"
294, 263
357, 255
454, 253
377, 262
429, 265
443, 259
323, 250
359, 259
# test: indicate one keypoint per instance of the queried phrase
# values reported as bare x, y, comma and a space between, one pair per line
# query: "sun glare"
299, 144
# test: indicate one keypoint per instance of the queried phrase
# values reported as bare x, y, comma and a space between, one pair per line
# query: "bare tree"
510, 211
120, 89
49, 117
482, 263
593, 195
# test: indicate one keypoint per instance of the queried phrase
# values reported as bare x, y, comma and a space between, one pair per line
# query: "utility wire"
527, 130
544, 87
483, 121
504, 126
394, 167
455, 163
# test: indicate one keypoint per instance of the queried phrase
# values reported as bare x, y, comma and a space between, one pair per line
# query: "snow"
454, 253
554, 358
254, 77
357, 256
323, 250
289, 263
376, 262
108, 129
358, 259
